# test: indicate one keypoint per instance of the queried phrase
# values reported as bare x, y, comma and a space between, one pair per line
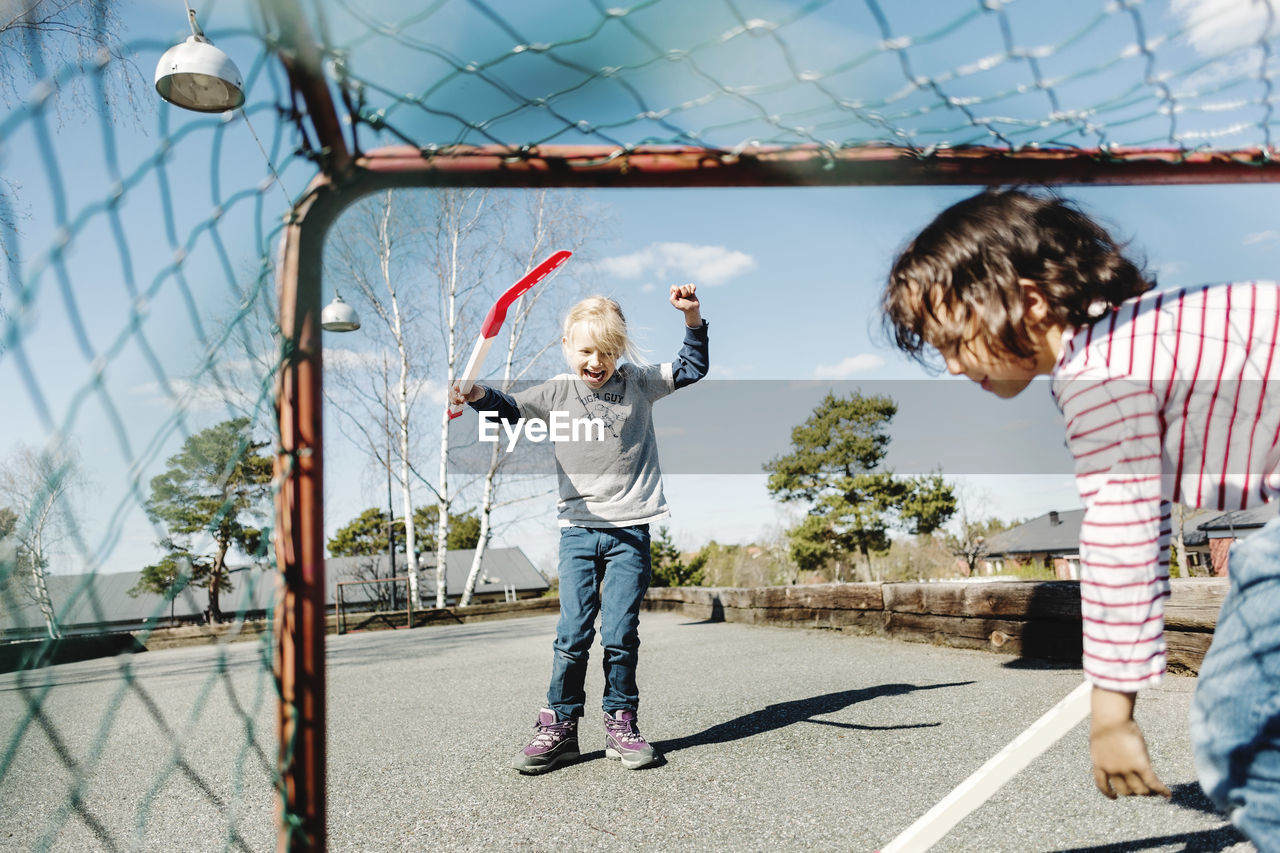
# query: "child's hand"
684, 298
1121, 765
457, 398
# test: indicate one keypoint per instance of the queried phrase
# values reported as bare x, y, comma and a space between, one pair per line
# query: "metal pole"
301, 609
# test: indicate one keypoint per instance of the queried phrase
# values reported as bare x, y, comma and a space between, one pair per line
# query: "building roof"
103, 598
88, 600
1241, 518
502, 566
1053, 533
1059, 532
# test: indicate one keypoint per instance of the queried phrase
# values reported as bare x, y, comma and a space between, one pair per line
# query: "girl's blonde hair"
603, 320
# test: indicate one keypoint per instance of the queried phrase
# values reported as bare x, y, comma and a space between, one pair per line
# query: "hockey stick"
990, 777
494, 319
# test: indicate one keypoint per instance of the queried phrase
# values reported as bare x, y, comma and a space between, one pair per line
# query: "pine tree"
835, 467
213, 489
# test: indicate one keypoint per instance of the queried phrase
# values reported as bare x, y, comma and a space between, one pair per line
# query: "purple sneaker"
623, 740
555, 743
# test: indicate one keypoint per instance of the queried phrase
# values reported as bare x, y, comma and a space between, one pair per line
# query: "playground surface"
774, 739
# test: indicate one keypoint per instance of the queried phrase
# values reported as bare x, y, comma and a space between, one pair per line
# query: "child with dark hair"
1168, 396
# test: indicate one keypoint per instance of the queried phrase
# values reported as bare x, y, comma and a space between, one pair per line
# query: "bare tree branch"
39, 37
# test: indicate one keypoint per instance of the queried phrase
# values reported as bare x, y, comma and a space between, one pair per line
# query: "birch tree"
466, 233
377, 253
37, 487
548, 221
12, 563
37, 39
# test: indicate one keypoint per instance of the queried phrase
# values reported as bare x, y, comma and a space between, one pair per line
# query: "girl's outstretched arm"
693, 360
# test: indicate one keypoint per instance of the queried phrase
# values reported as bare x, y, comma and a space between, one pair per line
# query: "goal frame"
347, 174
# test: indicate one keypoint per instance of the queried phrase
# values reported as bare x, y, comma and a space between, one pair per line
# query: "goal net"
163, 284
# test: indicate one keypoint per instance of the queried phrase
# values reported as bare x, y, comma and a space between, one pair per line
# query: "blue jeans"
1235, 715
603, 571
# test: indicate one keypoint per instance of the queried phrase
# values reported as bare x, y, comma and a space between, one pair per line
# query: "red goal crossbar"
810, 165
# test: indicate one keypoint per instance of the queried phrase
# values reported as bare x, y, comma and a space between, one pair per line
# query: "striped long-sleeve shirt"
1174, 396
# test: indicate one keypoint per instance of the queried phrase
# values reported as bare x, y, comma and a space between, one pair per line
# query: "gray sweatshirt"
608, 469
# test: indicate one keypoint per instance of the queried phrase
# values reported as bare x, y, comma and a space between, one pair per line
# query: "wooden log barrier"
1190, 615
854, 607
1030, 619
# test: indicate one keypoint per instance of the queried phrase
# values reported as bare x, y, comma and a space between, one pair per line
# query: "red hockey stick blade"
497, 316
498, 313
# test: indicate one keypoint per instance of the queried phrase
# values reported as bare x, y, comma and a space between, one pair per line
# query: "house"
1053, 539
505, 575
100, 602
1225, 529
1195, 542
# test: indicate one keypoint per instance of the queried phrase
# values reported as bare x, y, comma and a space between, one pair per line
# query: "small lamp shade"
338, 316
195, 75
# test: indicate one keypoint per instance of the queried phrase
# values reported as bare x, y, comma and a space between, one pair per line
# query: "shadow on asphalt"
783, 714
247, 658
1186, 795
1205, 841
1041, 663
1189, 795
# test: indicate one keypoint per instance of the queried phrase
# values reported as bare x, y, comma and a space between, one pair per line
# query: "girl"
610, 492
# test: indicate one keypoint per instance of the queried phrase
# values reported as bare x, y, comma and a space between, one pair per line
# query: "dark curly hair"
959, 278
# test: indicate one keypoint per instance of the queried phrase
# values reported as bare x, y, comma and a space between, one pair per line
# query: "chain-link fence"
150, 377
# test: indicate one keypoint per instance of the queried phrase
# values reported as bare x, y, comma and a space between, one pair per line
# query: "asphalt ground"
774, 739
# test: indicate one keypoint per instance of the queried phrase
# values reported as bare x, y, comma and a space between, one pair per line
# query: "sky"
788, 278
808, 266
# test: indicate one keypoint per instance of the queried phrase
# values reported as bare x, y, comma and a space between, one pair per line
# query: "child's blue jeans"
604, 571
1235, 715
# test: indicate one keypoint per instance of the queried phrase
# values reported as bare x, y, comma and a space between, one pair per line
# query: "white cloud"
232, 386
1271, 236
337, 358
1218, 26
850, 366
708, 265
432, 389
206, 396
